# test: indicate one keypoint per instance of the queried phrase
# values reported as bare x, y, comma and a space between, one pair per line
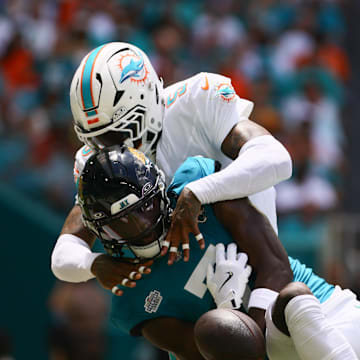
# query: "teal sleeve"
193, 168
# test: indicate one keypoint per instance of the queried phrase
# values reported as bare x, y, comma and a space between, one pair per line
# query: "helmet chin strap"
149, 251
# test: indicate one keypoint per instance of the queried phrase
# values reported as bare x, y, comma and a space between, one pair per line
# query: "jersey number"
195, 284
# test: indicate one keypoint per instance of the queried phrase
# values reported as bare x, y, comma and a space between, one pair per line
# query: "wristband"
261, 298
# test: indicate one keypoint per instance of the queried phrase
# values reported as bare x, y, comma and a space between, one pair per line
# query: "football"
224, 334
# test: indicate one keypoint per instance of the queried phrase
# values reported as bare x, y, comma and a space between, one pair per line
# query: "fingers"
171, 243
248, 270
186, 251
116, 291
134, 275
231, 252
139, 269
144, 268
178, 233
172, 254
242, 259
165, 247
200, 239
220, 253
127, 283
183, 238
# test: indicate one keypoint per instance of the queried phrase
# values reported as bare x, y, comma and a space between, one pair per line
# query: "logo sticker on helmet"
138, 154
153, 301
123, 203
133, 67
146, 188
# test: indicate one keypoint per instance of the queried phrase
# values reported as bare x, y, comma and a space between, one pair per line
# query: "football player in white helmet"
116, 92
117, 97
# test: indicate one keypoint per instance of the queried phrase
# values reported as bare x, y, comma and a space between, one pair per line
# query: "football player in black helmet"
123, 201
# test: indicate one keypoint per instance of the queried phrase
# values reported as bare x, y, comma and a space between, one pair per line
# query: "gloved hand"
227, 284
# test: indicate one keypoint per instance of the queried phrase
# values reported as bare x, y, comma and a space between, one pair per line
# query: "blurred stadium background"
298, 60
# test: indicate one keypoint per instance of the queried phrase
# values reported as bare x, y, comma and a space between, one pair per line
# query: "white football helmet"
116, 92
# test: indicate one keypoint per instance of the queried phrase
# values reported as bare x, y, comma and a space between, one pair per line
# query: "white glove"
227, 284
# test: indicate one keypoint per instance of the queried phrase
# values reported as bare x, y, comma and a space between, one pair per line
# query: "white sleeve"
72, 258
262, 162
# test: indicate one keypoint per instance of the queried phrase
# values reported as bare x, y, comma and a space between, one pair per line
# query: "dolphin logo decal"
132, 69
226, 92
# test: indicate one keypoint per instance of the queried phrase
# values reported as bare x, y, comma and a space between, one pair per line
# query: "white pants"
342, 310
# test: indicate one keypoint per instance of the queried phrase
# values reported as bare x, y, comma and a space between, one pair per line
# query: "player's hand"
227, 284
111, 272
184, 221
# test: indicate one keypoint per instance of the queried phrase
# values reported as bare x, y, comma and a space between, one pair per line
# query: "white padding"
262, 162
72, 258
261, 298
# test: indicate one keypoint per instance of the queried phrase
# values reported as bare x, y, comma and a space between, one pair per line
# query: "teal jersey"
318, 286
180, 290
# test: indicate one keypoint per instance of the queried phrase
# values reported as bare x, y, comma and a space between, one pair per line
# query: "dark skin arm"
172, 335
74, 225
108, 271
184, 220
255, 236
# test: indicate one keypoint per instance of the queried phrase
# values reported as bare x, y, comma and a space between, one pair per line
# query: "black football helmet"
123, 201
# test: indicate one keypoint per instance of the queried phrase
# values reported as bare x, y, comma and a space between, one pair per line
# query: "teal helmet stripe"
86, 88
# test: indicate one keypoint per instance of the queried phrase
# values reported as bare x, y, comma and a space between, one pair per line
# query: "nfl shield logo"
152, 301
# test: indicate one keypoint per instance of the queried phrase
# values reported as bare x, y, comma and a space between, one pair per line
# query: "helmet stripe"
86, 81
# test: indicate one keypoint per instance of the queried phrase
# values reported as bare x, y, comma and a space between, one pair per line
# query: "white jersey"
199, 114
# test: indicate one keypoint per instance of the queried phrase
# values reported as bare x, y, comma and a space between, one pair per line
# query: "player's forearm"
72, 257
174, 335
73, 225
258, 315
262, 162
